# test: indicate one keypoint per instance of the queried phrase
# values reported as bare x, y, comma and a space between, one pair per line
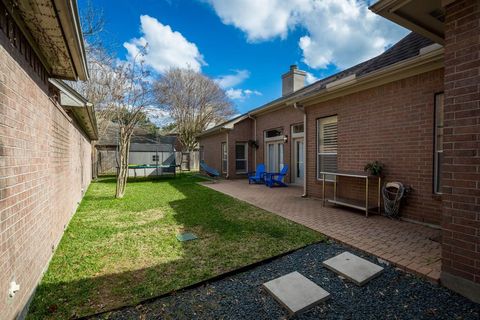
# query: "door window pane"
299, 153
271, 157
298, 128
273, 133
280, 156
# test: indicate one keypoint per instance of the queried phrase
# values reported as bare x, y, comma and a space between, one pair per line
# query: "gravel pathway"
393, 295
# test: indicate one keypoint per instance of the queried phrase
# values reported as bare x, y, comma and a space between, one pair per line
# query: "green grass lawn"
118, 252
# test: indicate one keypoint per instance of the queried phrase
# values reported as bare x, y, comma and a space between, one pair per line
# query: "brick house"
416, 108
46, 129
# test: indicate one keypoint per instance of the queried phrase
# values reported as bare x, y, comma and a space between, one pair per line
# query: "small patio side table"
351, 202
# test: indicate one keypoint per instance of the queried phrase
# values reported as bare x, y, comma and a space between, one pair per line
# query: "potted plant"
375, 168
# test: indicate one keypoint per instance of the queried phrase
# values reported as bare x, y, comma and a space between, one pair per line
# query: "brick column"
461, 171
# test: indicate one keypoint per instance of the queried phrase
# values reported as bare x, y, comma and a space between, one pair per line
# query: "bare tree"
117, 89
97, 88
129, 96
120, 94
193, 101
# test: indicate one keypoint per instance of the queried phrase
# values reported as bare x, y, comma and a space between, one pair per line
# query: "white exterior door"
299, 157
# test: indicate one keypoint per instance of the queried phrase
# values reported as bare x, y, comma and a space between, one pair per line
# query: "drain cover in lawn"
186, 236
296, 292
352, 267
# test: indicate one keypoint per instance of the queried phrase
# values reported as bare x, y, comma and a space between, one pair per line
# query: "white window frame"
245, 145
224, 151
325, 120
438, 151
279, 149
279, 137
297, 134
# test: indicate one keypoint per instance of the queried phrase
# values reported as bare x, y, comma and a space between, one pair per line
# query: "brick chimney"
293, 80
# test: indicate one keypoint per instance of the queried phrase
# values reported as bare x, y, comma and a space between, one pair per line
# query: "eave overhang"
431, 58
52, 28
425, 17
226, 126
79, 107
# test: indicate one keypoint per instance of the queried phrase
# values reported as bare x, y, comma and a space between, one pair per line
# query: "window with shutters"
326, 146
241, 157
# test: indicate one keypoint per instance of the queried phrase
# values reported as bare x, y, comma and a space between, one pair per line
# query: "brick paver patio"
406, 245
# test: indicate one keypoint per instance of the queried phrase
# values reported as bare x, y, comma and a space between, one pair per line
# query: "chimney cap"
293, 80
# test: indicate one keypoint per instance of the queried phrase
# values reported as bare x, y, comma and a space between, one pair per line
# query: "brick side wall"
461, 178
392, 123
45, 166
283, 118
242, 132
212, 149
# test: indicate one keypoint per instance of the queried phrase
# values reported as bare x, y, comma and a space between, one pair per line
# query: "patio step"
295, 292
354, 268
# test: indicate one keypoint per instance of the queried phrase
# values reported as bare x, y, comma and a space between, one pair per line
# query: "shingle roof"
406, 48
140, 136
151, 147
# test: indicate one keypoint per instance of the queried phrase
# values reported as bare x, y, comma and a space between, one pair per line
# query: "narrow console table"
361, 205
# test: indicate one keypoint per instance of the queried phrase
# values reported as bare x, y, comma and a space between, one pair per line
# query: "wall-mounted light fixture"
285, 138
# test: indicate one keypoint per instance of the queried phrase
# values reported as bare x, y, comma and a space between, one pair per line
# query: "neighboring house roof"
410, 47
52, 27
141, 139
227, 125
77, 105
151, 147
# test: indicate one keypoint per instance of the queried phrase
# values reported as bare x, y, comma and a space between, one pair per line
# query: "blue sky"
247, 45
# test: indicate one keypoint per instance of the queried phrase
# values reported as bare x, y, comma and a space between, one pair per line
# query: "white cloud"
241, 94
158, 116
260, 20
166, 48
232, 80
338, 32
310, 78
228, 82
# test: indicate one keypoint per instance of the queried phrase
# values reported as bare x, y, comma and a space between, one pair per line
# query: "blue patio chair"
272, 179
209, 170
257, 176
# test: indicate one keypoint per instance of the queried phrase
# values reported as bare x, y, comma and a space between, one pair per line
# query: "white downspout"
302, 109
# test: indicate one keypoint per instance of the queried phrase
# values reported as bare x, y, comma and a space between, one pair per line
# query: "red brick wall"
461, 178
283, 118
212, 151
392, 123
45, 166
242, 132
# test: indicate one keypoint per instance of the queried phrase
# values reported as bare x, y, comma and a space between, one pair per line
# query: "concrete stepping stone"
186, 236
352, 267
295, 292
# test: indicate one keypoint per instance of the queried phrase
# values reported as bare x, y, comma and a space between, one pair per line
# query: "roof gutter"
68, 17
413, 15
82, 110
213, 131
427, 60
